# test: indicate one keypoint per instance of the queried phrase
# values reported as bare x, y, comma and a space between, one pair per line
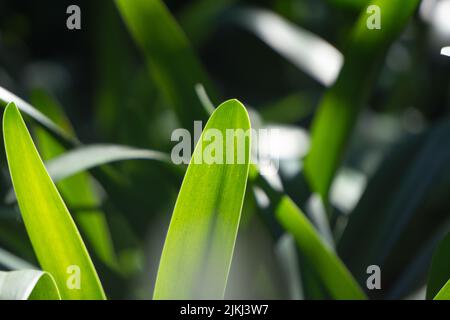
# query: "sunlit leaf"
199, 246
55, 238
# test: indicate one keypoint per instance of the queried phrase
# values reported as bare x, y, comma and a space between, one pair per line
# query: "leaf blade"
204, 224
52, 231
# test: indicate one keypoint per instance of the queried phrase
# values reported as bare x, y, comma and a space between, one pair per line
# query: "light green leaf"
440, 268
55, 238
341, 104
28, 285
444, 293
171, 60
199, 246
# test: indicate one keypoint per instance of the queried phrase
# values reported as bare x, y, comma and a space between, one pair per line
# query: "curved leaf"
28, 285
199, 246
55, 238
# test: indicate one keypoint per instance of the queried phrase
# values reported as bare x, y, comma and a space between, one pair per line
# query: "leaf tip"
10, 111
234, 106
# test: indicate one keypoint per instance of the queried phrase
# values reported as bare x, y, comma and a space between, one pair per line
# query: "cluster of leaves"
321, 252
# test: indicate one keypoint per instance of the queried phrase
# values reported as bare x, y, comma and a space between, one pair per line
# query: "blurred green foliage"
376, 141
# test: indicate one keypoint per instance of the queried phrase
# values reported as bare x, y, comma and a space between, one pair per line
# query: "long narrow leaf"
55, 238
199, 246
341, 104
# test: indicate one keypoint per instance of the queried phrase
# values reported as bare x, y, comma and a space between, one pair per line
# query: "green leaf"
28, 284
199, 246
444, 293
319, 257
55, 238
440, 269
171, 60
341, 104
